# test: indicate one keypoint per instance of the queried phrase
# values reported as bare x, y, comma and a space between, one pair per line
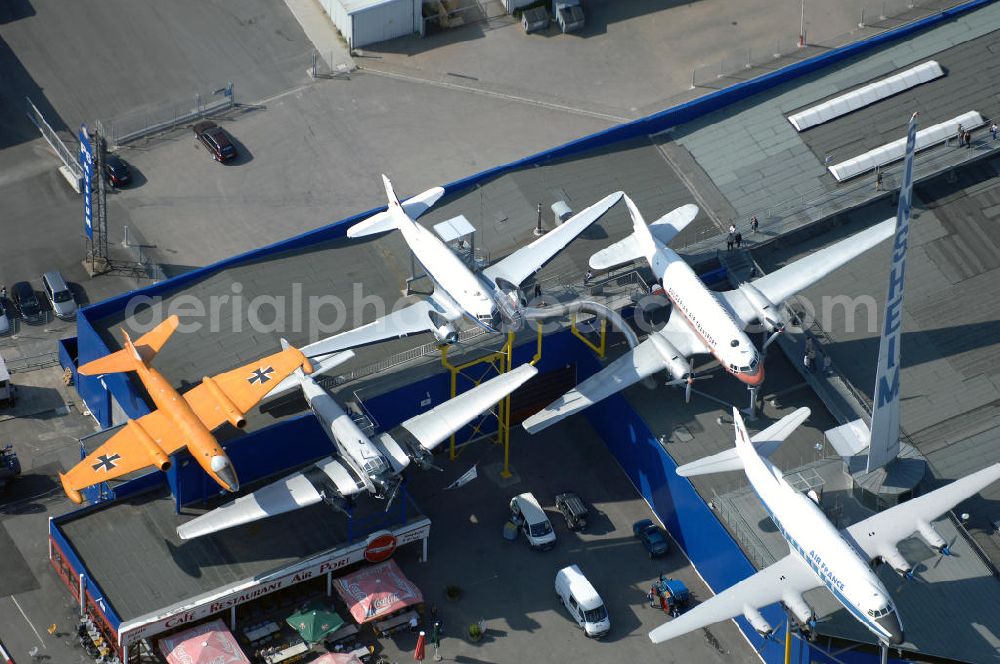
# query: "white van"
529, 516
582, 602
59, 295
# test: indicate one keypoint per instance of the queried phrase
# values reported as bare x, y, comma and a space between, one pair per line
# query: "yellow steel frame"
502, 361
599, 348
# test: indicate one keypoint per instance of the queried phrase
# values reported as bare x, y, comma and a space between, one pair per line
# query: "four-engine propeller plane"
820, 555
179, 420
702, 321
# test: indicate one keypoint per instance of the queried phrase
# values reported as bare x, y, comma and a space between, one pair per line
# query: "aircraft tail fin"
320, 365
640, 244
141, 351
397, 214
764, 444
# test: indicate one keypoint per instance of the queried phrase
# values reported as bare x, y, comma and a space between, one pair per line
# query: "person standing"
739, 239
754, 224
878, 179
961, 135
993, 130
730, 240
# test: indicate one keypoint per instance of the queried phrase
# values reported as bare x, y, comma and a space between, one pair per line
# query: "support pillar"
752, 410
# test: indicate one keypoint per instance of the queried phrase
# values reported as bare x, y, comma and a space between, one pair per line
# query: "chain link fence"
165, 115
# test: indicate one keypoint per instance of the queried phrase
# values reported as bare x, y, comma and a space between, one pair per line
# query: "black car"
652, 537
116, 171
573, 510
26, 302
215, 139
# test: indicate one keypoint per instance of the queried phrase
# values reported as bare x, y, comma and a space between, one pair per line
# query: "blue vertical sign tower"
87, 166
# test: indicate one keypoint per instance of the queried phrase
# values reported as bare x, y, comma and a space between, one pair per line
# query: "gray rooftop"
132, 550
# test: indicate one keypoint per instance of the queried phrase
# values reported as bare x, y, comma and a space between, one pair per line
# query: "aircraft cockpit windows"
734, 343
880, 612
753, 363
744, 369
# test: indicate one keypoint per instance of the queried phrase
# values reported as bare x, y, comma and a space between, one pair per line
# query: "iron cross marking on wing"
260, 375
106, 463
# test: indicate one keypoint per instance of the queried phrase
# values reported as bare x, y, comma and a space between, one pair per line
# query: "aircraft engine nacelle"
802, 611
446, 334
229, 409
892, 556
757, 621
155, 453
677, 364
767, 311
932, 537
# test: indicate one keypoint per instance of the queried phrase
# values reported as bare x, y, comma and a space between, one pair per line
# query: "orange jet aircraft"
180, 420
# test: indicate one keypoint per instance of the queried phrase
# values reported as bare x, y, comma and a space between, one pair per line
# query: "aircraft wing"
125, 451
527, 260
411, 319
789, 575
644, 360
785, 282
897, 523
437, 424
285, 495
244, 387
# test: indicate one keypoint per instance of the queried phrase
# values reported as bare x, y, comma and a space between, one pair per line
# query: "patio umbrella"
418, 654
314, 622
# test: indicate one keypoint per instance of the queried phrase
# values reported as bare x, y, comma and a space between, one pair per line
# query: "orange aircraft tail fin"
141, 351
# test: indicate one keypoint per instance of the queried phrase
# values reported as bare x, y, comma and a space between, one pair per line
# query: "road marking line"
500, 95
13, 599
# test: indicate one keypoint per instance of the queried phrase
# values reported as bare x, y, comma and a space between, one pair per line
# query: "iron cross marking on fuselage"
106, 463
260, 375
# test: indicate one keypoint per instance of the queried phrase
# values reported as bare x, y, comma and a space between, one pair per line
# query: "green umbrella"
314, 622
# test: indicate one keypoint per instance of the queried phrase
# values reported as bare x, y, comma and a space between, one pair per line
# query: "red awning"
210, 643
377, 591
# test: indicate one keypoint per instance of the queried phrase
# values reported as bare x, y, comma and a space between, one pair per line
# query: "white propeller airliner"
702, 321
820, 555
362, 463
488, 298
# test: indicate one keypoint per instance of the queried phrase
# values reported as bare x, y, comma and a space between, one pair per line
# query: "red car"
215, 139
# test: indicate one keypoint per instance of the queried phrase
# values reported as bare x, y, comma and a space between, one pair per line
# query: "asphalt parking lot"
511, 587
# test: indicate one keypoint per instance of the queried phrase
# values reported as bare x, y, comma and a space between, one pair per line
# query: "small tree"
475, 632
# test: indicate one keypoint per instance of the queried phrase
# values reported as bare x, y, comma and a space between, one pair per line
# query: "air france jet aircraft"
489, 298
820, 555
180, 420
702, 321
361, 463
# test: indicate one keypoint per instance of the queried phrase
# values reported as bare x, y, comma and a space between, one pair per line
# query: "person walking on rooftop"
993, 130
961, 135
730, 240
754, 224
878, 179
968, 138
587, 277
739, 239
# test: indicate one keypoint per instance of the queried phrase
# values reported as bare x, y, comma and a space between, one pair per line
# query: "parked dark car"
116, 171
215, 139
651, 536
26, 302
573, 510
